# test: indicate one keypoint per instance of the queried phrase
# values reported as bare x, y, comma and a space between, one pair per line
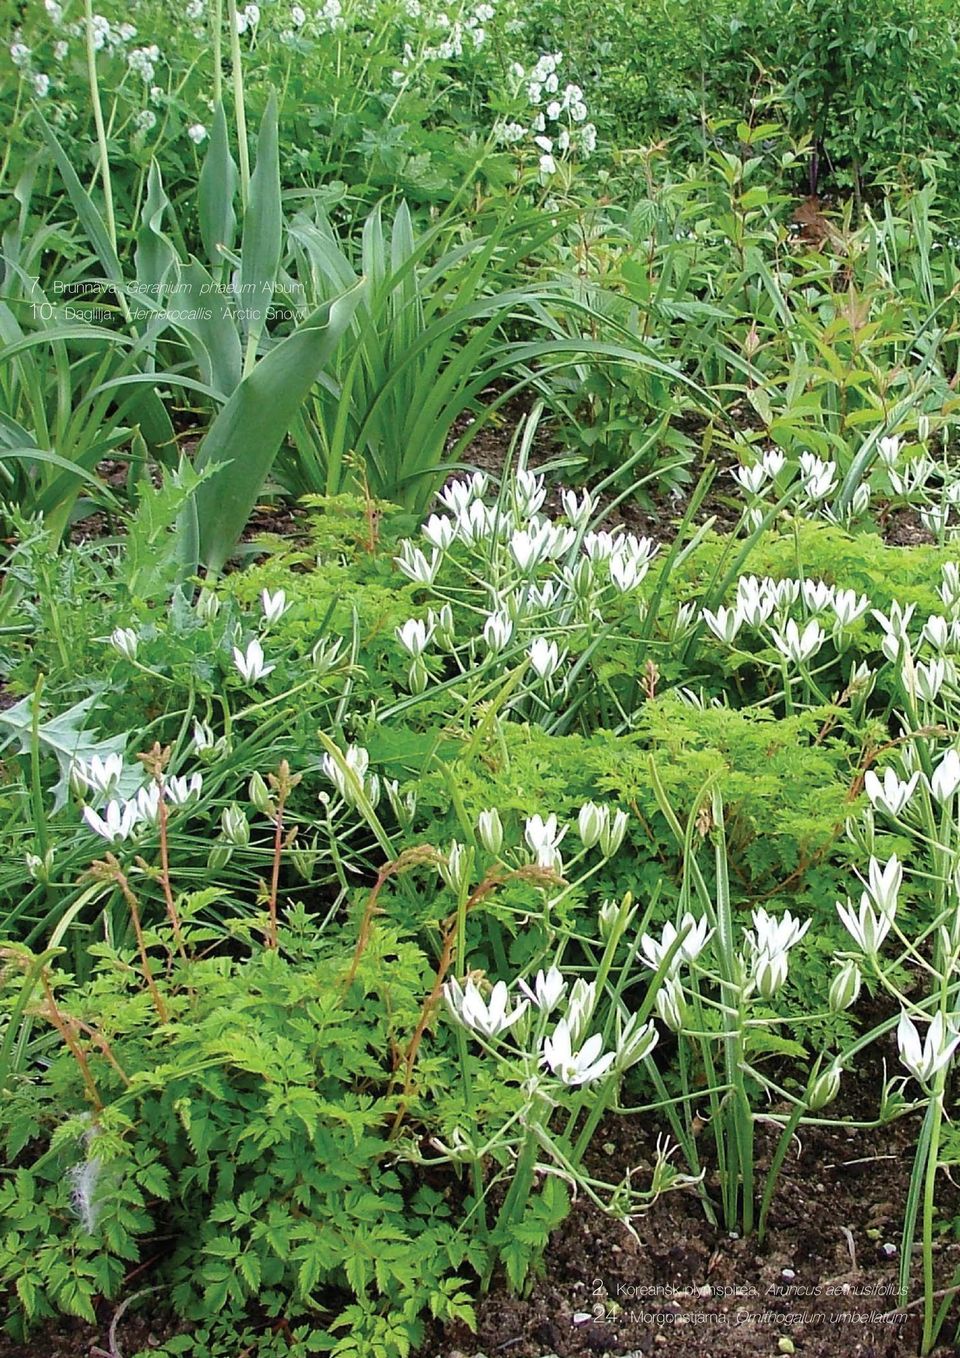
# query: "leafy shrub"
250, 1132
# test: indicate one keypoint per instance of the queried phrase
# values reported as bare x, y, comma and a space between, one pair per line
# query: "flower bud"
582, 578
203, 739
583, 997
861, 831
670, 1003
635, 1041
126, 641
892, 1102
259, 796
219, 855
861, 500
607, 918
770, 972
824, 1088
442, 624
325, 654
861, 680
305, 859
236, 829
591, 823
39, 867
78, 780
490, 829
403, 807
455, 869
845, 988
895, 648
612, 833
207, 606
418, 677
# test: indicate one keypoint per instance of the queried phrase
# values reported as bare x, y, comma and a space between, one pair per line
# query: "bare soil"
823, 1281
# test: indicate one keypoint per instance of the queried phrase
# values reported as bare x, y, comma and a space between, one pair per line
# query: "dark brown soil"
282, 518
824, 1280
121, 1335
656, 515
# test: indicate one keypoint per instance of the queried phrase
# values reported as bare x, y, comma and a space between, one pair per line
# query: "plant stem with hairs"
109, 870
282, 782
64, 1026
155, 763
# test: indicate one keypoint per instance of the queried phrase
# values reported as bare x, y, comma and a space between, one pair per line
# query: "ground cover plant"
479, 635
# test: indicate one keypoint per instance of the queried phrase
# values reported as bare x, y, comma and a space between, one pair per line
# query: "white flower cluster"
348, 773
768, 948
105, 34
766, 604
143, 61
468, 28
558, 125
540, 574
325, 18
675, 947
447, 36
827, 612
122, 818
568, 1053
917, 787
868, 928
22, 57
330, 15
917, 481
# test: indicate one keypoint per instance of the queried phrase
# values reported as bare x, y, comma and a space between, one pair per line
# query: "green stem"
217, 33
514, 1204
99, 124
929, 1192
240, 111
776, 1165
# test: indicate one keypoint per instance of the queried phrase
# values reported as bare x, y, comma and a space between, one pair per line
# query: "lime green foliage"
784, 780
861, 561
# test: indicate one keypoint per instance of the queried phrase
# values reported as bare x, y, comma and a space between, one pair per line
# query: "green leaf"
204, 318
216, 190
155, 256
262, 232
250, 428
27, 1292
90, 218
63, 736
